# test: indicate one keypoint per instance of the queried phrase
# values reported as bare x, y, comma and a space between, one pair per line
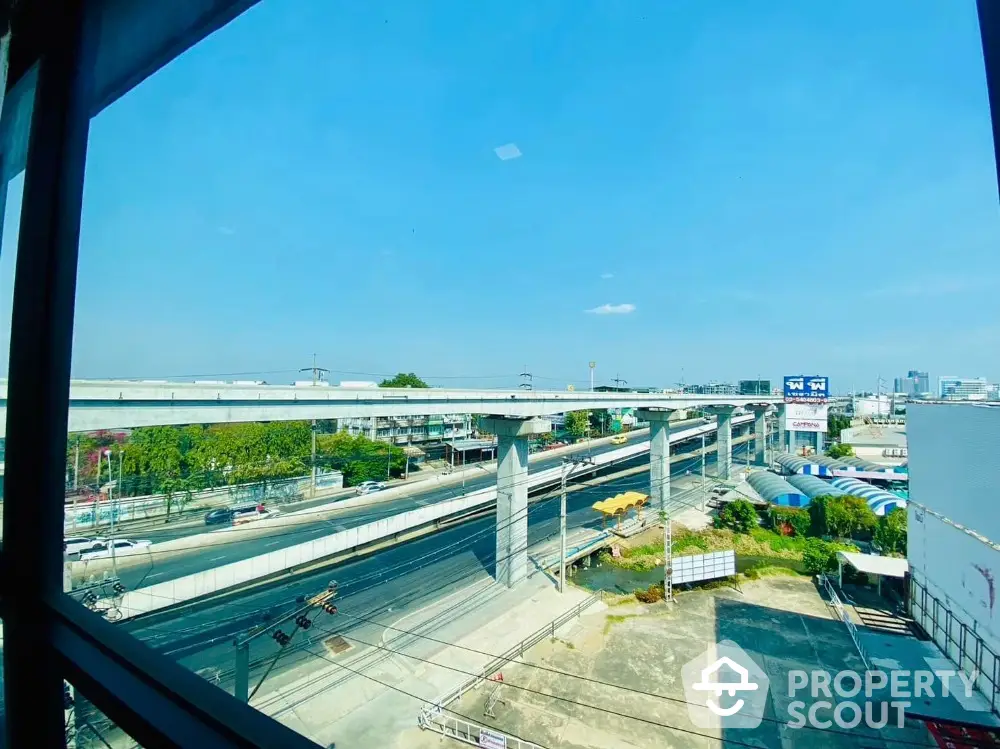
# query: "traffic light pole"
241, 677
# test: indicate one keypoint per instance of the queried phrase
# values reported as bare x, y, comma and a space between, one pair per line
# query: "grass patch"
613, 619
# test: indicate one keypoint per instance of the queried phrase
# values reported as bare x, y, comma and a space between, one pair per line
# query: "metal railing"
433, 717
846, 619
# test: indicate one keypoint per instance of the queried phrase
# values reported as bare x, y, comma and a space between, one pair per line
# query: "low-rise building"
405, 430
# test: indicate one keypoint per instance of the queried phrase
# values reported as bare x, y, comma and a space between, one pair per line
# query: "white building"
407, 430
962, 388
953, 533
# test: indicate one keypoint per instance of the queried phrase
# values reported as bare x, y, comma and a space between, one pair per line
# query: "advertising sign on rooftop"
806, 389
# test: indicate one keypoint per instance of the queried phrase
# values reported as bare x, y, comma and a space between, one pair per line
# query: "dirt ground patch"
614, 680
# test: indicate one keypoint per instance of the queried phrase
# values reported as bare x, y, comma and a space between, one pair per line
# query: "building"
713, 388
915, 383
408, 430
962, 388
921, 381
755, 387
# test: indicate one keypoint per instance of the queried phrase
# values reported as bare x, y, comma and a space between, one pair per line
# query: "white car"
240, 518
123, 548
370, 487
73, 547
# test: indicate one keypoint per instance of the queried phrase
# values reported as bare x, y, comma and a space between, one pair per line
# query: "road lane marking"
216, 559
155, 574
272, 543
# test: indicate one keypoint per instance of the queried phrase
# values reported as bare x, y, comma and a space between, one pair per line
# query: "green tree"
835, 423
577, 423
739, 516
840, 450
890, 532
841, 517
403, 380
359, 458
600, 421
789, 520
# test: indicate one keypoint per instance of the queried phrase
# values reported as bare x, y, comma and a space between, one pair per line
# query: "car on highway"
370, 487
240, 517
619, 439
74, 547
221, 516
122, 547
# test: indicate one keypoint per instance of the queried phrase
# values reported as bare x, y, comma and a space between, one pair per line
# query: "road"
173, 566
373, 591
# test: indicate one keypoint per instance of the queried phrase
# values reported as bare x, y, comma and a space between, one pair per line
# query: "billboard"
806, 389
806, 417
691, 569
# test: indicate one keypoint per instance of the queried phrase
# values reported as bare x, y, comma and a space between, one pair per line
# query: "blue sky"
753, 187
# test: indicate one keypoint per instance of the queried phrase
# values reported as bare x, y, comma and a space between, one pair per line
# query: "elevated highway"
96, 404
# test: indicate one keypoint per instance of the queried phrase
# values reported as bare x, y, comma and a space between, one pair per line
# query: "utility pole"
619, 382
704, 486
241, 677
111, 503
526, 377
318, 373
567, 466
76, 465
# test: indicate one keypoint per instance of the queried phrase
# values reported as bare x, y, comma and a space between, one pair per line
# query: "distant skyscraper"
902, 385
921, 382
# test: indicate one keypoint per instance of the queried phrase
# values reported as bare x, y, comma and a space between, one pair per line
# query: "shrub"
652, 594
821, 556
840, 451
739, 516
789, 520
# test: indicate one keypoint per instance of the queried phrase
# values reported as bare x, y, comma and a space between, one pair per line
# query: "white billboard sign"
492, 740
806, 417
696, 567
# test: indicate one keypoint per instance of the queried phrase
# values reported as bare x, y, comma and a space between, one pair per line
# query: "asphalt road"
373, 590
173, 566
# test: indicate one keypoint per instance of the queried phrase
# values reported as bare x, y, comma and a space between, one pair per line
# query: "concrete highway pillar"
724, 441
760, 435
659, 456
512, 492
782, 438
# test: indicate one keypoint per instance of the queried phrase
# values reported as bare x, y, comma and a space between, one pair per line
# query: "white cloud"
227, 230
607, 275
507, 152
612, 309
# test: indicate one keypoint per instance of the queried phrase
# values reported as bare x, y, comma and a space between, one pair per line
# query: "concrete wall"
179, 590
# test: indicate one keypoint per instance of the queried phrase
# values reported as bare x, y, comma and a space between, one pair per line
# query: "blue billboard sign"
806, 389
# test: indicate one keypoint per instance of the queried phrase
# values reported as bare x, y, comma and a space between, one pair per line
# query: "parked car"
619, 439
370, 487
74, 547
123, 548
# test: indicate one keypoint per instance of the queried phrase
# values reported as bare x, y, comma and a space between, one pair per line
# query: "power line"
570, 674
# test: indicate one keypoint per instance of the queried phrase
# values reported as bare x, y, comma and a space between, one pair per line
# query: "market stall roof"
873, 564
776, 490
621, 503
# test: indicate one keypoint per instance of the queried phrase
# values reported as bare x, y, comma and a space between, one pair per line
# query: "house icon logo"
725, 688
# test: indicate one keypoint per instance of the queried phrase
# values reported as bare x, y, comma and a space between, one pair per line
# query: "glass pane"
324, 208
87, 727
